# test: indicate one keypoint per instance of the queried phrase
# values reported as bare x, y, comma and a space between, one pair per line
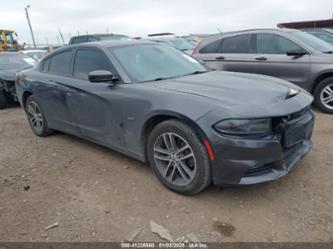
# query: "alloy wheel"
174, 159
326, 96
35, 116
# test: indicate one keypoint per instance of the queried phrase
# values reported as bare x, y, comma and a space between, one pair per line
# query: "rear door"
51, 90
233, 53
272, 58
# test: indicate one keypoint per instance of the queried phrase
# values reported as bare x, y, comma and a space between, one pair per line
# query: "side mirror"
297, 53
101, 76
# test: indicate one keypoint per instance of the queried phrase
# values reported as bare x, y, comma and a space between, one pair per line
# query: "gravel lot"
94, 194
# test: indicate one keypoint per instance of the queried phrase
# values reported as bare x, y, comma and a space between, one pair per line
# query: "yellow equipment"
8, 41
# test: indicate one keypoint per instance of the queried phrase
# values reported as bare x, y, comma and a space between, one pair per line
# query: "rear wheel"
3, 99
324, 95
36, 118
178, 157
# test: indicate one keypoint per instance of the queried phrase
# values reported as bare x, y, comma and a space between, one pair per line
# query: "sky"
142, 17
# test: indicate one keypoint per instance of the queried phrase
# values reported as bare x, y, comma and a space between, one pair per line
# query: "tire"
36, 117
170, 169
323, 91
3, 99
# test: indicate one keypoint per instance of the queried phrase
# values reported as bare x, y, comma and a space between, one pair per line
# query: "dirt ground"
96, 194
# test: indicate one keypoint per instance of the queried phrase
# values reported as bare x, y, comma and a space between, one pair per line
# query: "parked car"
157, 104
97, 37
323, 34
175, 41
291, 55
10, 64
37, 54
191, 38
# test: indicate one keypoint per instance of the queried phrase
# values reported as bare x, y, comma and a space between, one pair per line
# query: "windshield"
324, 36
15, 61
181, 44
149, 62
313, 41
113, 37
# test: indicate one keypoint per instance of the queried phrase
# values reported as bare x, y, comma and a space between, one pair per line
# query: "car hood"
231, 88
10, 74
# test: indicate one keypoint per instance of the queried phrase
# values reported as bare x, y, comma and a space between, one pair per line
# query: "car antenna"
219, 30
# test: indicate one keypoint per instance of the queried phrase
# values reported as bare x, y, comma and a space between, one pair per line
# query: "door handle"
261, 58
220, 58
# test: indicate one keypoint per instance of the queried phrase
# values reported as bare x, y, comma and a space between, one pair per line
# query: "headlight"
244, 126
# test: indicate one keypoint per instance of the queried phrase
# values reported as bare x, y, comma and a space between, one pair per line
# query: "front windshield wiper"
158, 79
197, 72
167, 78
328, 52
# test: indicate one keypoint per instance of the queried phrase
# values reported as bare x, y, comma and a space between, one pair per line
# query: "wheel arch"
25, 96
159, 117
319, 78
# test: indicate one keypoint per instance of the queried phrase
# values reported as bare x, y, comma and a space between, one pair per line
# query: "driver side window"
274, 44
88, 60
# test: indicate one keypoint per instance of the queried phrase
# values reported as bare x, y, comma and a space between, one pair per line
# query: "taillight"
196, 49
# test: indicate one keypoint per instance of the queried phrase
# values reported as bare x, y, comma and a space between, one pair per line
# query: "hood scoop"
292, 93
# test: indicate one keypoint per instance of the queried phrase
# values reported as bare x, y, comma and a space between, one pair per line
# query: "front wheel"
36, 118
324, 95
178, 157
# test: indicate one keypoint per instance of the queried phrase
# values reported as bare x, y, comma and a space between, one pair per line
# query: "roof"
248, 30
113, 43
106, 44
110, 34
328, 23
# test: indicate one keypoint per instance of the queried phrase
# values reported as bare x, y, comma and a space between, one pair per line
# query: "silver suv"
292, 55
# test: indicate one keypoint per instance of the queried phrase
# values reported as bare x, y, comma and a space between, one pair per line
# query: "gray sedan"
154, 103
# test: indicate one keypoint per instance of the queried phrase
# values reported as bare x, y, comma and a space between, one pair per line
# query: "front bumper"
245, 161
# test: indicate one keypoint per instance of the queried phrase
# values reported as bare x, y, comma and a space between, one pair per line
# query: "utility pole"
30, 27
62, 37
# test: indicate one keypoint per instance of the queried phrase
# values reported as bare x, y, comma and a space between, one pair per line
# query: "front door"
272, 59
89, 103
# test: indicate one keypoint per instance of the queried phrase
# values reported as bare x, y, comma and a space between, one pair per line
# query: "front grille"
293, 135
292, 131
7, 85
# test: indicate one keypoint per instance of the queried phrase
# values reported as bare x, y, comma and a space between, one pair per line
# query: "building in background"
308, 24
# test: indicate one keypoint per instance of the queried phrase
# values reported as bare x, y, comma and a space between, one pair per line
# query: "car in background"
160, 105
97, 37
191, 38
323, 34
10, 64
175, 41
288, 54
37, 54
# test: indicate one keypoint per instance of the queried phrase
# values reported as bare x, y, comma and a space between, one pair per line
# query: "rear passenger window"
211, 48
237, 45
274, 44
89, 60
61, 63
